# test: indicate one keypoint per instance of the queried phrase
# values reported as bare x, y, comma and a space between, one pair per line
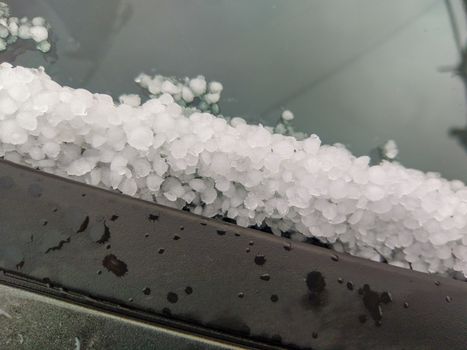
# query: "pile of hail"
183, 156
14, 28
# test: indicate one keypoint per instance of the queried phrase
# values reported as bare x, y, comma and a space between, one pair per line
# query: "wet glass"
357, 72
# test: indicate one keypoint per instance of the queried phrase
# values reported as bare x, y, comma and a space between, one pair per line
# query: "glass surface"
357, 72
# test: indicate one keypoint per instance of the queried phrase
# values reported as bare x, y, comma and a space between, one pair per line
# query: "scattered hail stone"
184, 158
130, 100
390, 150
12, 28
287, 115
284, 126
194, 93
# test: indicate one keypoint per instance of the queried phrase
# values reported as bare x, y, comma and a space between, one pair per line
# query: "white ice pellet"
4, 31
7, 105
209, 195
154, 86
169, 87
215, 87
154, 182
166, 99
287, 115
4, 10
390, 149
79, 167
44, 46
311, 144
38, 21
11, 133
130, 99
187, 159
140, 138
237, 121
377, 175
39, 33
197, 184
51, 149
19, 93
198, 85
27, 120
142, 167
160, 166
24, 31
212, 97
187, 94
128, 186
13, 27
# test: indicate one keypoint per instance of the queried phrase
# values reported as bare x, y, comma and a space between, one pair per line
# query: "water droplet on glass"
54, 240
172, 297
153, 217
260, 259
386, 297
315, 282
114, 265
84, 225
20, 265
373, 302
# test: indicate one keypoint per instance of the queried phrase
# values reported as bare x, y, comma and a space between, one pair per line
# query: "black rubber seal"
106, 249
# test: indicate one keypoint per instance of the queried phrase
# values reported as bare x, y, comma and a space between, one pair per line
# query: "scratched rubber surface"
215, 276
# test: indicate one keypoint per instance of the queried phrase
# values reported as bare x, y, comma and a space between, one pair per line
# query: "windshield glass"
355, 72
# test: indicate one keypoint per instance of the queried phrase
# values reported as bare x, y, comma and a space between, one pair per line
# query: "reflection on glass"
356, 72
